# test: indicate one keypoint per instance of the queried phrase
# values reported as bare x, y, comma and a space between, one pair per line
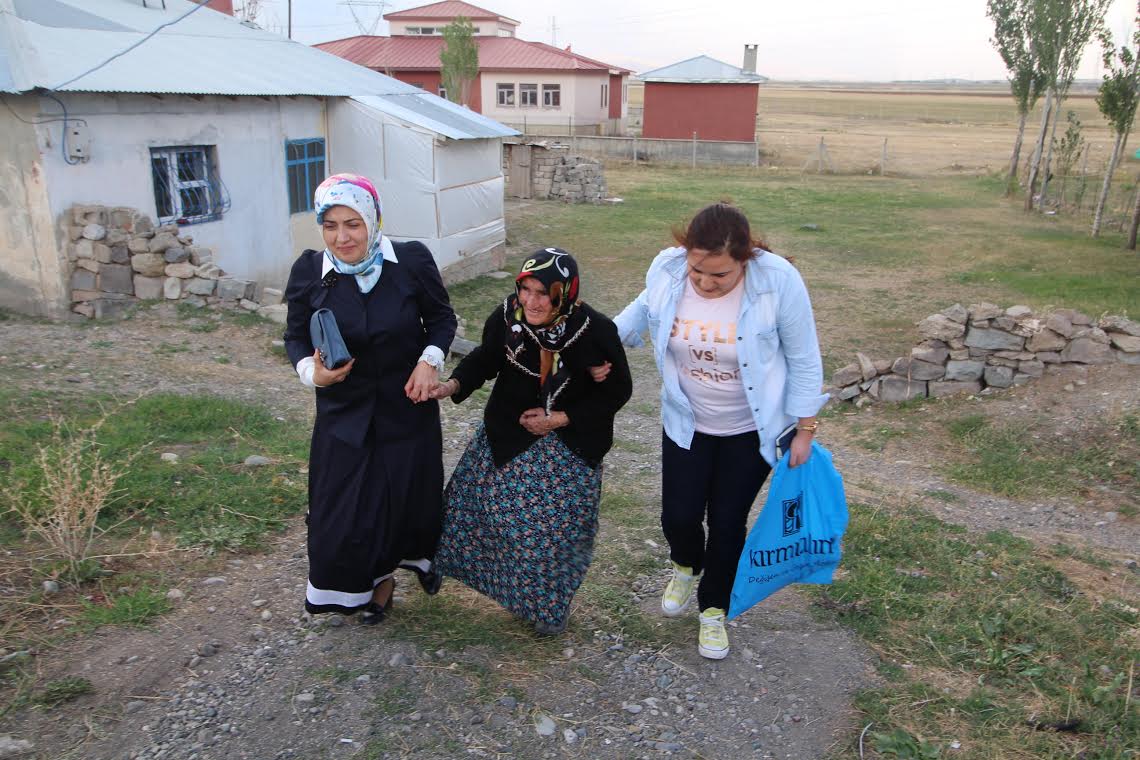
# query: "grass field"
986, 643
981, 639
885, 252
927, 133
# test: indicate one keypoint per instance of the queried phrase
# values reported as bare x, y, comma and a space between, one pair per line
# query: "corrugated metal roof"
49, 42
437, 114
495, 54
446, 10
44, 43
701, 69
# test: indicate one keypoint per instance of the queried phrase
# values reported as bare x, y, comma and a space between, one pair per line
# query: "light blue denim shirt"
776, 347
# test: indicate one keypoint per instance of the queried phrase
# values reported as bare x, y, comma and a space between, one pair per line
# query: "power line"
129, 48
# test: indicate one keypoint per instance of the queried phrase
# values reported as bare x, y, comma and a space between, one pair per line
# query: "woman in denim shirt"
735, 343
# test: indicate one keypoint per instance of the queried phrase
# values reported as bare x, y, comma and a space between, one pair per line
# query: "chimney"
749, 59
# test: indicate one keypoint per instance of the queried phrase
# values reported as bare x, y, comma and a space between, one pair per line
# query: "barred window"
304, 170
186, 184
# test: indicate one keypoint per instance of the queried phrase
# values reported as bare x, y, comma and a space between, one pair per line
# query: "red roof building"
221, 6
520, 83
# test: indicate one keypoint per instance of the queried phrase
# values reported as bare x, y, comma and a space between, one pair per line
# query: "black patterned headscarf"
558, 273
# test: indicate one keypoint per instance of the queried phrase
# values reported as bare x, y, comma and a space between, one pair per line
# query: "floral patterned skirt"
522, 534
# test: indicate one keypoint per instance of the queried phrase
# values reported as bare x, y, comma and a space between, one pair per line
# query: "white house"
194, 118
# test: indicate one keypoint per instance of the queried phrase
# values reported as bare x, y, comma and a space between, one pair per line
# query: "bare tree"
1014, 44
1060, 30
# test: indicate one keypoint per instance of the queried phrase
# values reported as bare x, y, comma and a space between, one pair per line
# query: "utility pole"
553, 31
289, 12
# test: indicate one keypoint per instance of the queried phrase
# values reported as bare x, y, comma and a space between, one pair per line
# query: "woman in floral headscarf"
375, 463
522, 504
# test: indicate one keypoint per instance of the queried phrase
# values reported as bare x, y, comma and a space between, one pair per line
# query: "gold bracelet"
809, 427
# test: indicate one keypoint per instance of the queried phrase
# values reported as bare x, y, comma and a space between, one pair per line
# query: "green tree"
1060, 30
1068, 150
1014, 44
459, 60
1117, 100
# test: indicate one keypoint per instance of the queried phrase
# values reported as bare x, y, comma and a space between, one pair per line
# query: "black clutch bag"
326, 339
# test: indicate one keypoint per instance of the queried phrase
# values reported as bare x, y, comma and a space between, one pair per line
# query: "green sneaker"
679, 591
713, 641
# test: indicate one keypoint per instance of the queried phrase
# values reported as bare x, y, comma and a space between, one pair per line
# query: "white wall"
254, 239
448, 194
581, 97
32, 271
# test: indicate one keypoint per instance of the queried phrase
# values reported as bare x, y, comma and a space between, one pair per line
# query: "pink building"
520, 83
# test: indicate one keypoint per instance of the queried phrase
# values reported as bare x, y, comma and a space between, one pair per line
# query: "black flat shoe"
374, 613
550, 629
430, 581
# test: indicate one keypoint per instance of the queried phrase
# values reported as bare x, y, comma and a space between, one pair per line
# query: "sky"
843, 40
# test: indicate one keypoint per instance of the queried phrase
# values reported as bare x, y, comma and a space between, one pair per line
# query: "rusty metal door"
520, 179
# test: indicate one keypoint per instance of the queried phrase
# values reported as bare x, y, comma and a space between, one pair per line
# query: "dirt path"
238, 672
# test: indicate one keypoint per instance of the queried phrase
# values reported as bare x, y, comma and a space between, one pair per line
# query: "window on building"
186, 184
442, 92
605, 95
528, 95
304, 170
552, 95
429, 30
506, 94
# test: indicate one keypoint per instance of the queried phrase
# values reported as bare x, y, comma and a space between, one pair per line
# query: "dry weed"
77, 485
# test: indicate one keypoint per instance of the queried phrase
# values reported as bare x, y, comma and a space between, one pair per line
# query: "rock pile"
119, 257
965, 350
561, 176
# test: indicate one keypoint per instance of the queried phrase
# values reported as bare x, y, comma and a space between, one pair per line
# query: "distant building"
702, 95
221, 6
520, 83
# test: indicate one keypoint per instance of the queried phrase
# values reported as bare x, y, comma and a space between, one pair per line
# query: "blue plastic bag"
796, 538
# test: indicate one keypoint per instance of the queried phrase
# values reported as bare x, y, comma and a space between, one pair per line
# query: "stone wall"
966, 350
573, 179
118, 257
557, 174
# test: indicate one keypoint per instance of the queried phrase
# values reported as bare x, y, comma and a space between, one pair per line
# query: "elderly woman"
735, 343
522, 505
375, 463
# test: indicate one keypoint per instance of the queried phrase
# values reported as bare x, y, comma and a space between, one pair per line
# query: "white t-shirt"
703, 347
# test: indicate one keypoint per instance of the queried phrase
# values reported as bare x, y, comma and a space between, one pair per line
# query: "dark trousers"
716, 479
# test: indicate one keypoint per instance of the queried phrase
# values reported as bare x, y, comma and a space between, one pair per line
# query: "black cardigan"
386, 330
591, 406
